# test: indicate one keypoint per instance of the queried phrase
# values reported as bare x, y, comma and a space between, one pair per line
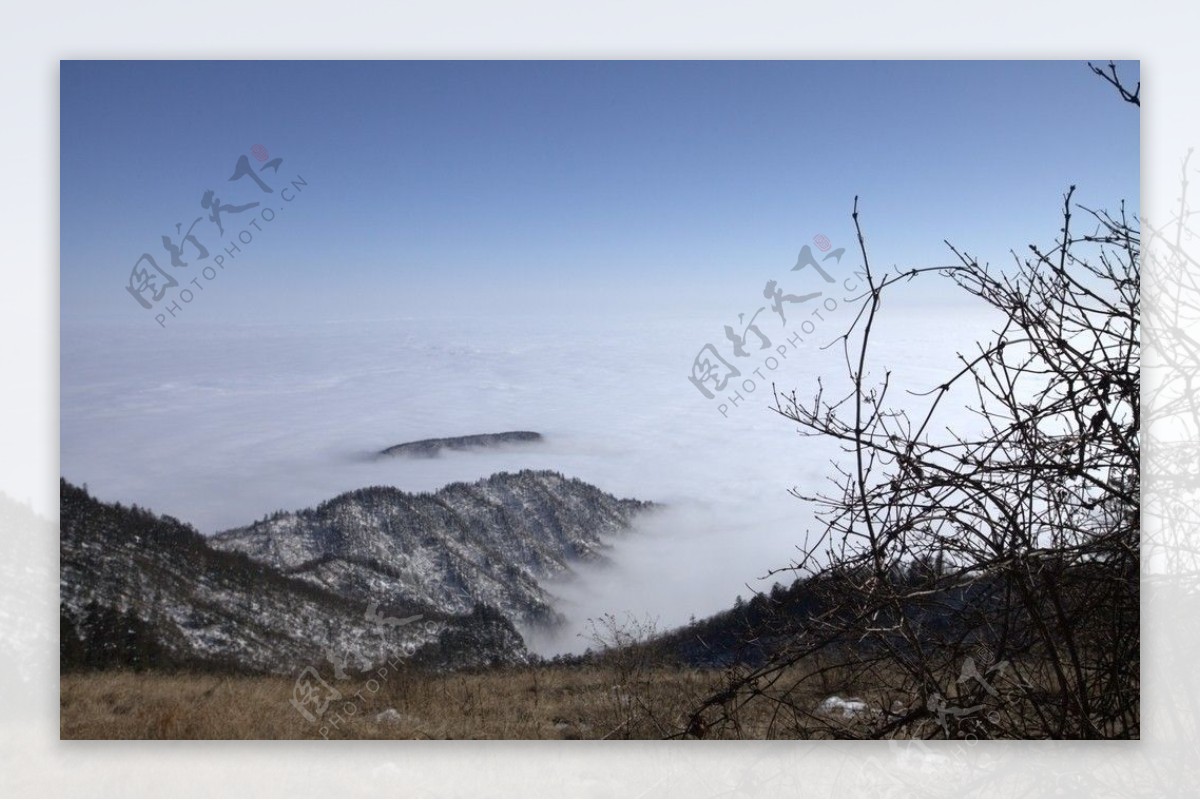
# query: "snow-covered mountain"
493, 542
364, 578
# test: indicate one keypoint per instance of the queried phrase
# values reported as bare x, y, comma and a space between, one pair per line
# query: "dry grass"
597, 701
545, 702
522, 703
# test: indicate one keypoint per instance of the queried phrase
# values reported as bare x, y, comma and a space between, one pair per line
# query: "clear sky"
449, 188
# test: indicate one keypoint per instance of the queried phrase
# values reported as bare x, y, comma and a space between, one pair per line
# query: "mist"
219, 425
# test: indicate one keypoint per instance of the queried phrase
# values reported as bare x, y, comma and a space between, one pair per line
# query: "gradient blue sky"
449, 188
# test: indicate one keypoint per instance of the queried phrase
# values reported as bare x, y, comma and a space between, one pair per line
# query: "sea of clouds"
219, 424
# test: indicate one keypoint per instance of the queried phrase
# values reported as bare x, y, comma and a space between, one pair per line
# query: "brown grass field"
544, 702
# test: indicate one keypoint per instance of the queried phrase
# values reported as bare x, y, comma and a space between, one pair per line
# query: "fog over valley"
220, 425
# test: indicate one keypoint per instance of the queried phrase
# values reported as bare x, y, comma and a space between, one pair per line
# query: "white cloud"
221, 425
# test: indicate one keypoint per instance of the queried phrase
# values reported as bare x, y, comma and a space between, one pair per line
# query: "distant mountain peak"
428, 448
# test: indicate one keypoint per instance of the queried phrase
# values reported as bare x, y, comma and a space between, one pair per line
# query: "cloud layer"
221, 425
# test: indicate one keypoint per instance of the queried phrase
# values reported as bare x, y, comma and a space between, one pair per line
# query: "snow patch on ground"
846, 706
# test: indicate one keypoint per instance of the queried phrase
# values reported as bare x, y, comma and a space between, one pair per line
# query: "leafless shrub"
984, 582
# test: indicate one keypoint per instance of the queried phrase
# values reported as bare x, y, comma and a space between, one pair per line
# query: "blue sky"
475, 188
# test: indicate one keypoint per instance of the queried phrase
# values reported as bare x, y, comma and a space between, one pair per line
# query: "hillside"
493, 542
147, 591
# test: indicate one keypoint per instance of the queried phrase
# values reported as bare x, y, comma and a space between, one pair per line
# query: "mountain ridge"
340, 580
429, 448
493, 541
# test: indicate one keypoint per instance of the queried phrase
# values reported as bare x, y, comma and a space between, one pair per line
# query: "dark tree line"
104, 638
